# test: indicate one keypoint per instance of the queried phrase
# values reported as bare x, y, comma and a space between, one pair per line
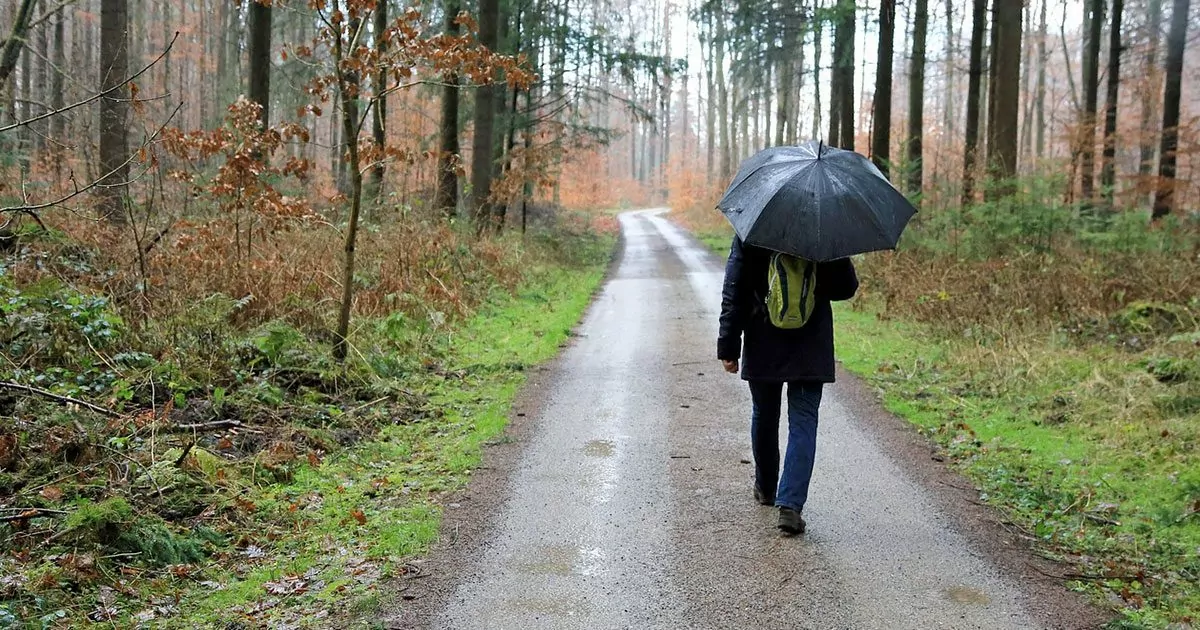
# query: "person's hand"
730, 366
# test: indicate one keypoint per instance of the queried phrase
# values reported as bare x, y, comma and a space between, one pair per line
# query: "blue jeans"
790, 491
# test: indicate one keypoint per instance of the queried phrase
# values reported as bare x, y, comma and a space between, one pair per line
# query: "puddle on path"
600, 448
547, 606
967, 595
552, 561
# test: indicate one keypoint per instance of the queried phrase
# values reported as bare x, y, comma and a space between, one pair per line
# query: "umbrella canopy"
815, 202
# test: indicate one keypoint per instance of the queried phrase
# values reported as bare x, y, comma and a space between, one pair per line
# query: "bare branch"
94, 97
58, 398
31, 208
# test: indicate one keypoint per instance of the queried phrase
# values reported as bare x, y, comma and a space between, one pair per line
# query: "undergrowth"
196, 458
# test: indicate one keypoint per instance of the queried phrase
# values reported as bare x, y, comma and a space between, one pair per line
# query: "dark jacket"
770, 353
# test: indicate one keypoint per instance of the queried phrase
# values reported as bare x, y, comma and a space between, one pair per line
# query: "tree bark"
1040, 98
114, 108
11, 51
710, 123
723, 90
57, 97
348, 90
1094, 23
485, 122
1151, 91
446, 198
258, 88
1164, 199
1108, 159
881, 116
1007, 73
978, 23
916, 100
842, 98
379, 121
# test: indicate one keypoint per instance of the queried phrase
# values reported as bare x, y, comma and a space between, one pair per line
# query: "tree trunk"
11, 51
723, 114
379, 122
989, 104
445, 199
485, 122
949, 80
881, 116
1151, 91
1164, 199
916, 101
710, 124
348, 90
258, 87
114, 107
57, 97
1027, 101
817, 109
842, 97
1108, 159
1094, 23
1007, 73
1040, 99
978, 23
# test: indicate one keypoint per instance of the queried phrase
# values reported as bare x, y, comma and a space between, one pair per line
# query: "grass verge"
304, 532
1083, 449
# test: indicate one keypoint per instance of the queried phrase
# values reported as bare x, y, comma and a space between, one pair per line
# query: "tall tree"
881, 115
1002, 153
1094, 23
841, 130
114, 108
916, 99
379, 121
446, 198
1113, 83
710, 100
1164, 198
58, 68
975, 74
485, 121
1151, 91
258, 87
1040, 97
950, 81
723, 96
10, 52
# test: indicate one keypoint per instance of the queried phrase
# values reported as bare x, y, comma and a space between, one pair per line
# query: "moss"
100, 523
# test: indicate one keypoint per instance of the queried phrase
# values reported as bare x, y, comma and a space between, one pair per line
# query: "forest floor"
281, 496
1085, 435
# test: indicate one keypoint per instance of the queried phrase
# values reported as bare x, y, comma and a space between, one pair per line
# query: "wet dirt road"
622, 498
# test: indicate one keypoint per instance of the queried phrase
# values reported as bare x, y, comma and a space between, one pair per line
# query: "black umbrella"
815, 202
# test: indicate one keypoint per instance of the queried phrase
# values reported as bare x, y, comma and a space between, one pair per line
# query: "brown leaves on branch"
415, 53
242, 181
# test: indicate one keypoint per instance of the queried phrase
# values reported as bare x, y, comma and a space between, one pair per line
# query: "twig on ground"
207, 426
29, 513
58, 398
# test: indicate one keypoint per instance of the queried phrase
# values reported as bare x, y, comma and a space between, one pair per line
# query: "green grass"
1058, 437
371, 507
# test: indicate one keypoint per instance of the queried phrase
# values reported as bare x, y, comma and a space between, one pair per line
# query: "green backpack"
791, 290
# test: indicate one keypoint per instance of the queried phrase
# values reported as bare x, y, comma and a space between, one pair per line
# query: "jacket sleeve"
836, 280
729, 337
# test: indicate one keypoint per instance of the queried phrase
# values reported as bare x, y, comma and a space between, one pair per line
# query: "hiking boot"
762, 497
790, 522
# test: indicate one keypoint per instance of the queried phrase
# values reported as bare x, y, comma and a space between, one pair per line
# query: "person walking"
770, 357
